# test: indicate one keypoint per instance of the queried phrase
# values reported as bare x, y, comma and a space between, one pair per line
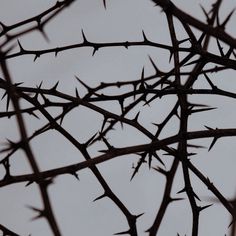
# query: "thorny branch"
133, 94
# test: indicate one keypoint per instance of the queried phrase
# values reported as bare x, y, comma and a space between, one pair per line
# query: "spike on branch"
194, 62
56, 51
121, 102
154, 154
89, 142
41, 213
124, 232
140, 162
204, 207
205, 13
136, 117
160, 170
104, 123
210, 82
8, 99
142, 85
95, 49
33, 114
54, 88
212, 143
75, 175
100, 197
109, 146
38, 90
37, 55
135, 89
191, 111
171, 55
29, 183
85, 85
145, 40
104, 4
209, 128
77, 93
85, 41
181, 191
175, 199
230, 51
158, 72
20, 46
196, 196
183, 41
224, 23
220, 48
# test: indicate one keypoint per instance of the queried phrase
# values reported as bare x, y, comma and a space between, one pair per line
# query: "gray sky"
71, 199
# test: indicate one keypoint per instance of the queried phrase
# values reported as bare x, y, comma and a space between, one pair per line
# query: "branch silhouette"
190, 59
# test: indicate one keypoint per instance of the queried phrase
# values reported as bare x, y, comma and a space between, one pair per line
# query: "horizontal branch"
116, 152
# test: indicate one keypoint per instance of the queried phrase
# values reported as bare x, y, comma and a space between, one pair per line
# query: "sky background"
72, 200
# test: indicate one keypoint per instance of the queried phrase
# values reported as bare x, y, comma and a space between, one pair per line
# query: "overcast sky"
72, 200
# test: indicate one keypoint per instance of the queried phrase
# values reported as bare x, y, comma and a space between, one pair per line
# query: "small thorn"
160, 170
90, 140
196, 196
100, 197
126, 44
230, 51
142, 83
54, 88
75, 175
41, 213
104, 123
104, 4
21, 48
201, 110
210, 82
158, 158
17, 84
85, 85
33, 114
84, 37
135, 90
171, 54
213, 143
157, 125
95, 49
193, 62
123, 232
183, 41
139, 215
158, 72
220, 48
209, 128
109, 146
175, 199
204, 207
140, 162
37, 55
121, 102
195, 146
56, 52
77, 93
227, 19
44, 34
144, 37
205, 13
136, 117
181, 191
